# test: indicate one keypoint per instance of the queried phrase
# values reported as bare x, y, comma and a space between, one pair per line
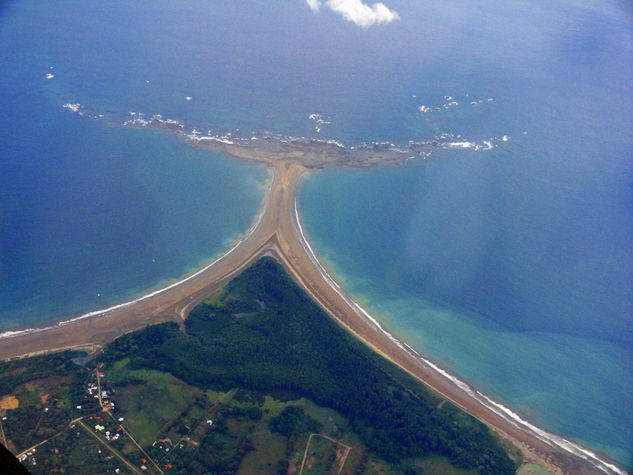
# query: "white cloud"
314, 5
358, 12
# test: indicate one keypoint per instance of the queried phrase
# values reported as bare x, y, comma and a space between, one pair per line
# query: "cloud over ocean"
357, 12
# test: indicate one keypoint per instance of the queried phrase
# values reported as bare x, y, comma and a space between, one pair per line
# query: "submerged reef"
311, 153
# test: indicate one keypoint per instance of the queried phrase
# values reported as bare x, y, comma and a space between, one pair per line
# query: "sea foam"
72, 107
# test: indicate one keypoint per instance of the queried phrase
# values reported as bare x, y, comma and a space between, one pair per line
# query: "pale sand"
278, 234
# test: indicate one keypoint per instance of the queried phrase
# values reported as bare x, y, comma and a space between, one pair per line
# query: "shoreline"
277, 232
498, 408
61, 322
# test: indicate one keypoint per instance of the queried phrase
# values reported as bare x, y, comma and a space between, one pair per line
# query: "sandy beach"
278, 233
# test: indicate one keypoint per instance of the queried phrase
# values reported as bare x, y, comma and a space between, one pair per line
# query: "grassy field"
323, 456
531, 469
149, 400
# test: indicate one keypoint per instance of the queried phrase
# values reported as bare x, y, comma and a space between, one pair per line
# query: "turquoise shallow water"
511, 267
550, 373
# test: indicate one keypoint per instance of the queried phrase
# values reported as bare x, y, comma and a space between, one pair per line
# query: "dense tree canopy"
264, 333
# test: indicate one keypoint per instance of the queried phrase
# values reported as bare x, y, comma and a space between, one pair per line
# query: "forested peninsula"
257, 355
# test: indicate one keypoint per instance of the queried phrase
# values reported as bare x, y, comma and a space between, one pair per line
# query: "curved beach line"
499, 409
103, 312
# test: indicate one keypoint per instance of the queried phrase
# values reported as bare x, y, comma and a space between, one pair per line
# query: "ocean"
510, 266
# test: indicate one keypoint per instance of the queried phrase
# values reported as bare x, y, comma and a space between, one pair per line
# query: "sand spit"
277, 232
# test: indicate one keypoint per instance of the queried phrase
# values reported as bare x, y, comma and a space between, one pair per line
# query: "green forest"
263, 333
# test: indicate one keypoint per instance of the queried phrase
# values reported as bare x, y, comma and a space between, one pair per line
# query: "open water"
510, 267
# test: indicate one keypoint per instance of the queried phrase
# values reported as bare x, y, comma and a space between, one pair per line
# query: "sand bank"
277, 232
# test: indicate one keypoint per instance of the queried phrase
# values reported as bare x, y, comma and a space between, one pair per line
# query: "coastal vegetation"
292, 346
259, 380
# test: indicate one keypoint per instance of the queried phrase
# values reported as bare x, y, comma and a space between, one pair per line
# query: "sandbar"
278, 233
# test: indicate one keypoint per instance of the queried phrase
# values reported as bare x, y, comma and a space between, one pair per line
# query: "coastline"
62, 321
277, 232
502, 411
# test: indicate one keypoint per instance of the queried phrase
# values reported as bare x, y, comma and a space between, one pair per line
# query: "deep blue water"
512, 267
106, 214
